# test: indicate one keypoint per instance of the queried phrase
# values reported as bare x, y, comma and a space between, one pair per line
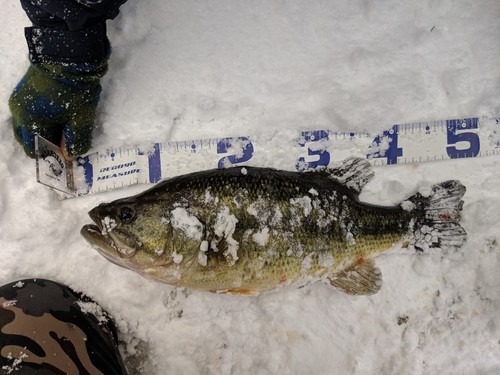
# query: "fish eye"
126, 214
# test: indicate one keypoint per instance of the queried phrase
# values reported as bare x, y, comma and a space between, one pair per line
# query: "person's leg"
47, 328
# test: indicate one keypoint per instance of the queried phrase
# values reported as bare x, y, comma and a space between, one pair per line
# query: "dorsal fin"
353, 172
360, 278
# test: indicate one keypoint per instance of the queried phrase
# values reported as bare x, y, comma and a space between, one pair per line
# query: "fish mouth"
94, 235
105, 246
105, 233
119, 246
103, 243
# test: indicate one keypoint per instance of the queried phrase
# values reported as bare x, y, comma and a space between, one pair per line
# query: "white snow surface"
196, 69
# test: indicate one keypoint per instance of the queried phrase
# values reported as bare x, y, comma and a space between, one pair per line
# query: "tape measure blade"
422, 141
114, 168
413, 142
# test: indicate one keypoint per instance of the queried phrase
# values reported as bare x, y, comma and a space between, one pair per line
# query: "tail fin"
438, 226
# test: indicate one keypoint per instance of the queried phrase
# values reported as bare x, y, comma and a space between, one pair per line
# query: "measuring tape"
303, 151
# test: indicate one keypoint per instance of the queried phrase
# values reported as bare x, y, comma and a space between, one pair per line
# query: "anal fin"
360, 278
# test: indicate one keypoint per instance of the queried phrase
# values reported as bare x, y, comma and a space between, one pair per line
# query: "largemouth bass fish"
248, 230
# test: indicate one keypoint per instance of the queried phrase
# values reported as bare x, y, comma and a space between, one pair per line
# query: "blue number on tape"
224, 146
389, 150
323, 156
457, 132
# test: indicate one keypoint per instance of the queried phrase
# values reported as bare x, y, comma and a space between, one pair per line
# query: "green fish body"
248, 230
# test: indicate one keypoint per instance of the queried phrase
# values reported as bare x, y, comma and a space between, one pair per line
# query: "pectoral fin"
360, 278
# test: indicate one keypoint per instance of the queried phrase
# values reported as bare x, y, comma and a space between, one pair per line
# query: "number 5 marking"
455, 134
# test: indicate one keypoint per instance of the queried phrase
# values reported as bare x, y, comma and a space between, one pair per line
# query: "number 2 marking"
224, 146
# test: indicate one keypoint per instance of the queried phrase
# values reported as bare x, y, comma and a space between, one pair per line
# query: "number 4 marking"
386, 146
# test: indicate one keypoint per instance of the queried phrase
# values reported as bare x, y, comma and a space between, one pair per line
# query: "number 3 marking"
323, 156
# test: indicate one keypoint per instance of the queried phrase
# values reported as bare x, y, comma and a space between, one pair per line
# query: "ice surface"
203, 69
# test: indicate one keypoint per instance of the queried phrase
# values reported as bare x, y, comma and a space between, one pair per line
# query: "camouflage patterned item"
47, 328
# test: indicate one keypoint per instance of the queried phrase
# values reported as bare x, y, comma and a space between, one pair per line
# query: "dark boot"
47, 328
